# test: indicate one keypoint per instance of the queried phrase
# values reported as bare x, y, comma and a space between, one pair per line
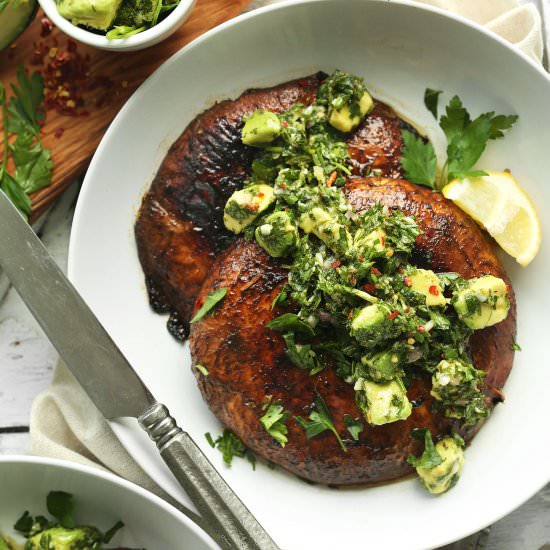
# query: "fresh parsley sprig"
319, 421
21, 117
354, 426
274, 421
466, 141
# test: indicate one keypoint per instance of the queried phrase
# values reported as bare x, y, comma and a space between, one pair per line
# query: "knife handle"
232, 524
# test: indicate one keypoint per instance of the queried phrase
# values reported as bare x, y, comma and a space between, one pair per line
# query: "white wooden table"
27, 360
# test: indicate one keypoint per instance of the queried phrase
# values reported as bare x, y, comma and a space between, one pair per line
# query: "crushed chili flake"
420, 328
360, 258
68, 78
369, 287
433, 290
59, 132
393, 314
375, 271
331, 179
284, 124
507, 288
407, 280
261, 195
336, 263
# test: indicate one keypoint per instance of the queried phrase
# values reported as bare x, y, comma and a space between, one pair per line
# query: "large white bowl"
139, 41
400, 49
100, 499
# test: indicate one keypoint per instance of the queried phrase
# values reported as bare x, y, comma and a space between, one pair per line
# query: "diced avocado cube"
245, 205
371, 325
277, 235
97, 14
382, 403
426, 282
443, 477
484, 302
261, 128
342, 119
375, 239
326, 227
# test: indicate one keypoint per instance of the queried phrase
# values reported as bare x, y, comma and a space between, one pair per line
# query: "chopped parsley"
320, 420
231, 446
211, 301
274, 421
354, 426
430, 458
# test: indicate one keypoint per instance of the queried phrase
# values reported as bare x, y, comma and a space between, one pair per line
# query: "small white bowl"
100, 499
144, 39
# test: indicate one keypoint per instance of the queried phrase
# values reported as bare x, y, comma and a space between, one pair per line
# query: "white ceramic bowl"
100, 499
400, 49
144, 39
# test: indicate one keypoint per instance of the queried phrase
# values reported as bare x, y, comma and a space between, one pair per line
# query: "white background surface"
27, 359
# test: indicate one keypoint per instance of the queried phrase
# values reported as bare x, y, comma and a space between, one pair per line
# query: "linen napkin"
64, 422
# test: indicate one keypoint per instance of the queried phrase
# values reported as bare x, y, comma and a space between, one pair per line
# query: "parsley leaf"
291, 322
211, 300
24, 107
354, 426
302, 355
514, 346
418, 160
466, 141
24, 523
22, 116
319, 421
274, 421
60, 505
430, 458
230, 446
431, 99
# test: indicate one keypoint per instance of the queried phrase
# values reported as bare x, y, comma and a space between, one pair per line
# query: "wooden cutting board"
73, 140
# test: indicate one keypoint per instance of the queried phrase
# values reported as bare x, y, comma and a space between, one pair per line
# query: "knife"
111, 382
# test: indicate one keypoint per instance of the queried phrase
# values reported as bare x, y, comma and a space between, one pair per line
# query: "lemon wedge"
503, 208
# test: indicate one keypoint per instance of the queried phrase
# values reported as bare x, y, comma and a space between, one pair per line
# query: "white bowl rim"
86, 187
137, 41
115, 480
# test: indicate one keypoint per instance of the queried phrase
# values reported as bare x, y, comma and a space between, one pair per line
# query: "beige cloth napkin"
64, 422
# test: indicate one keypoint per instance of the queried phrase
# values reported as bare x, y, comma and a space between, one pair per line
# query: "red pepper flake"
199, 303
67, 76
407, 280
284, 124
369, 287
375, 271
282, 185
382, 240
360, 258
420, 328
393, 314
331, 179
59, 132
46, 27
507, 288
433, 290
336, 263
261, 195
407, 309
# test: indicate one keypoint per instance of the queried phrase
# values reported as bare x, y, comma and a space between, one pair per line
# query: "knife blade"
111, 382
